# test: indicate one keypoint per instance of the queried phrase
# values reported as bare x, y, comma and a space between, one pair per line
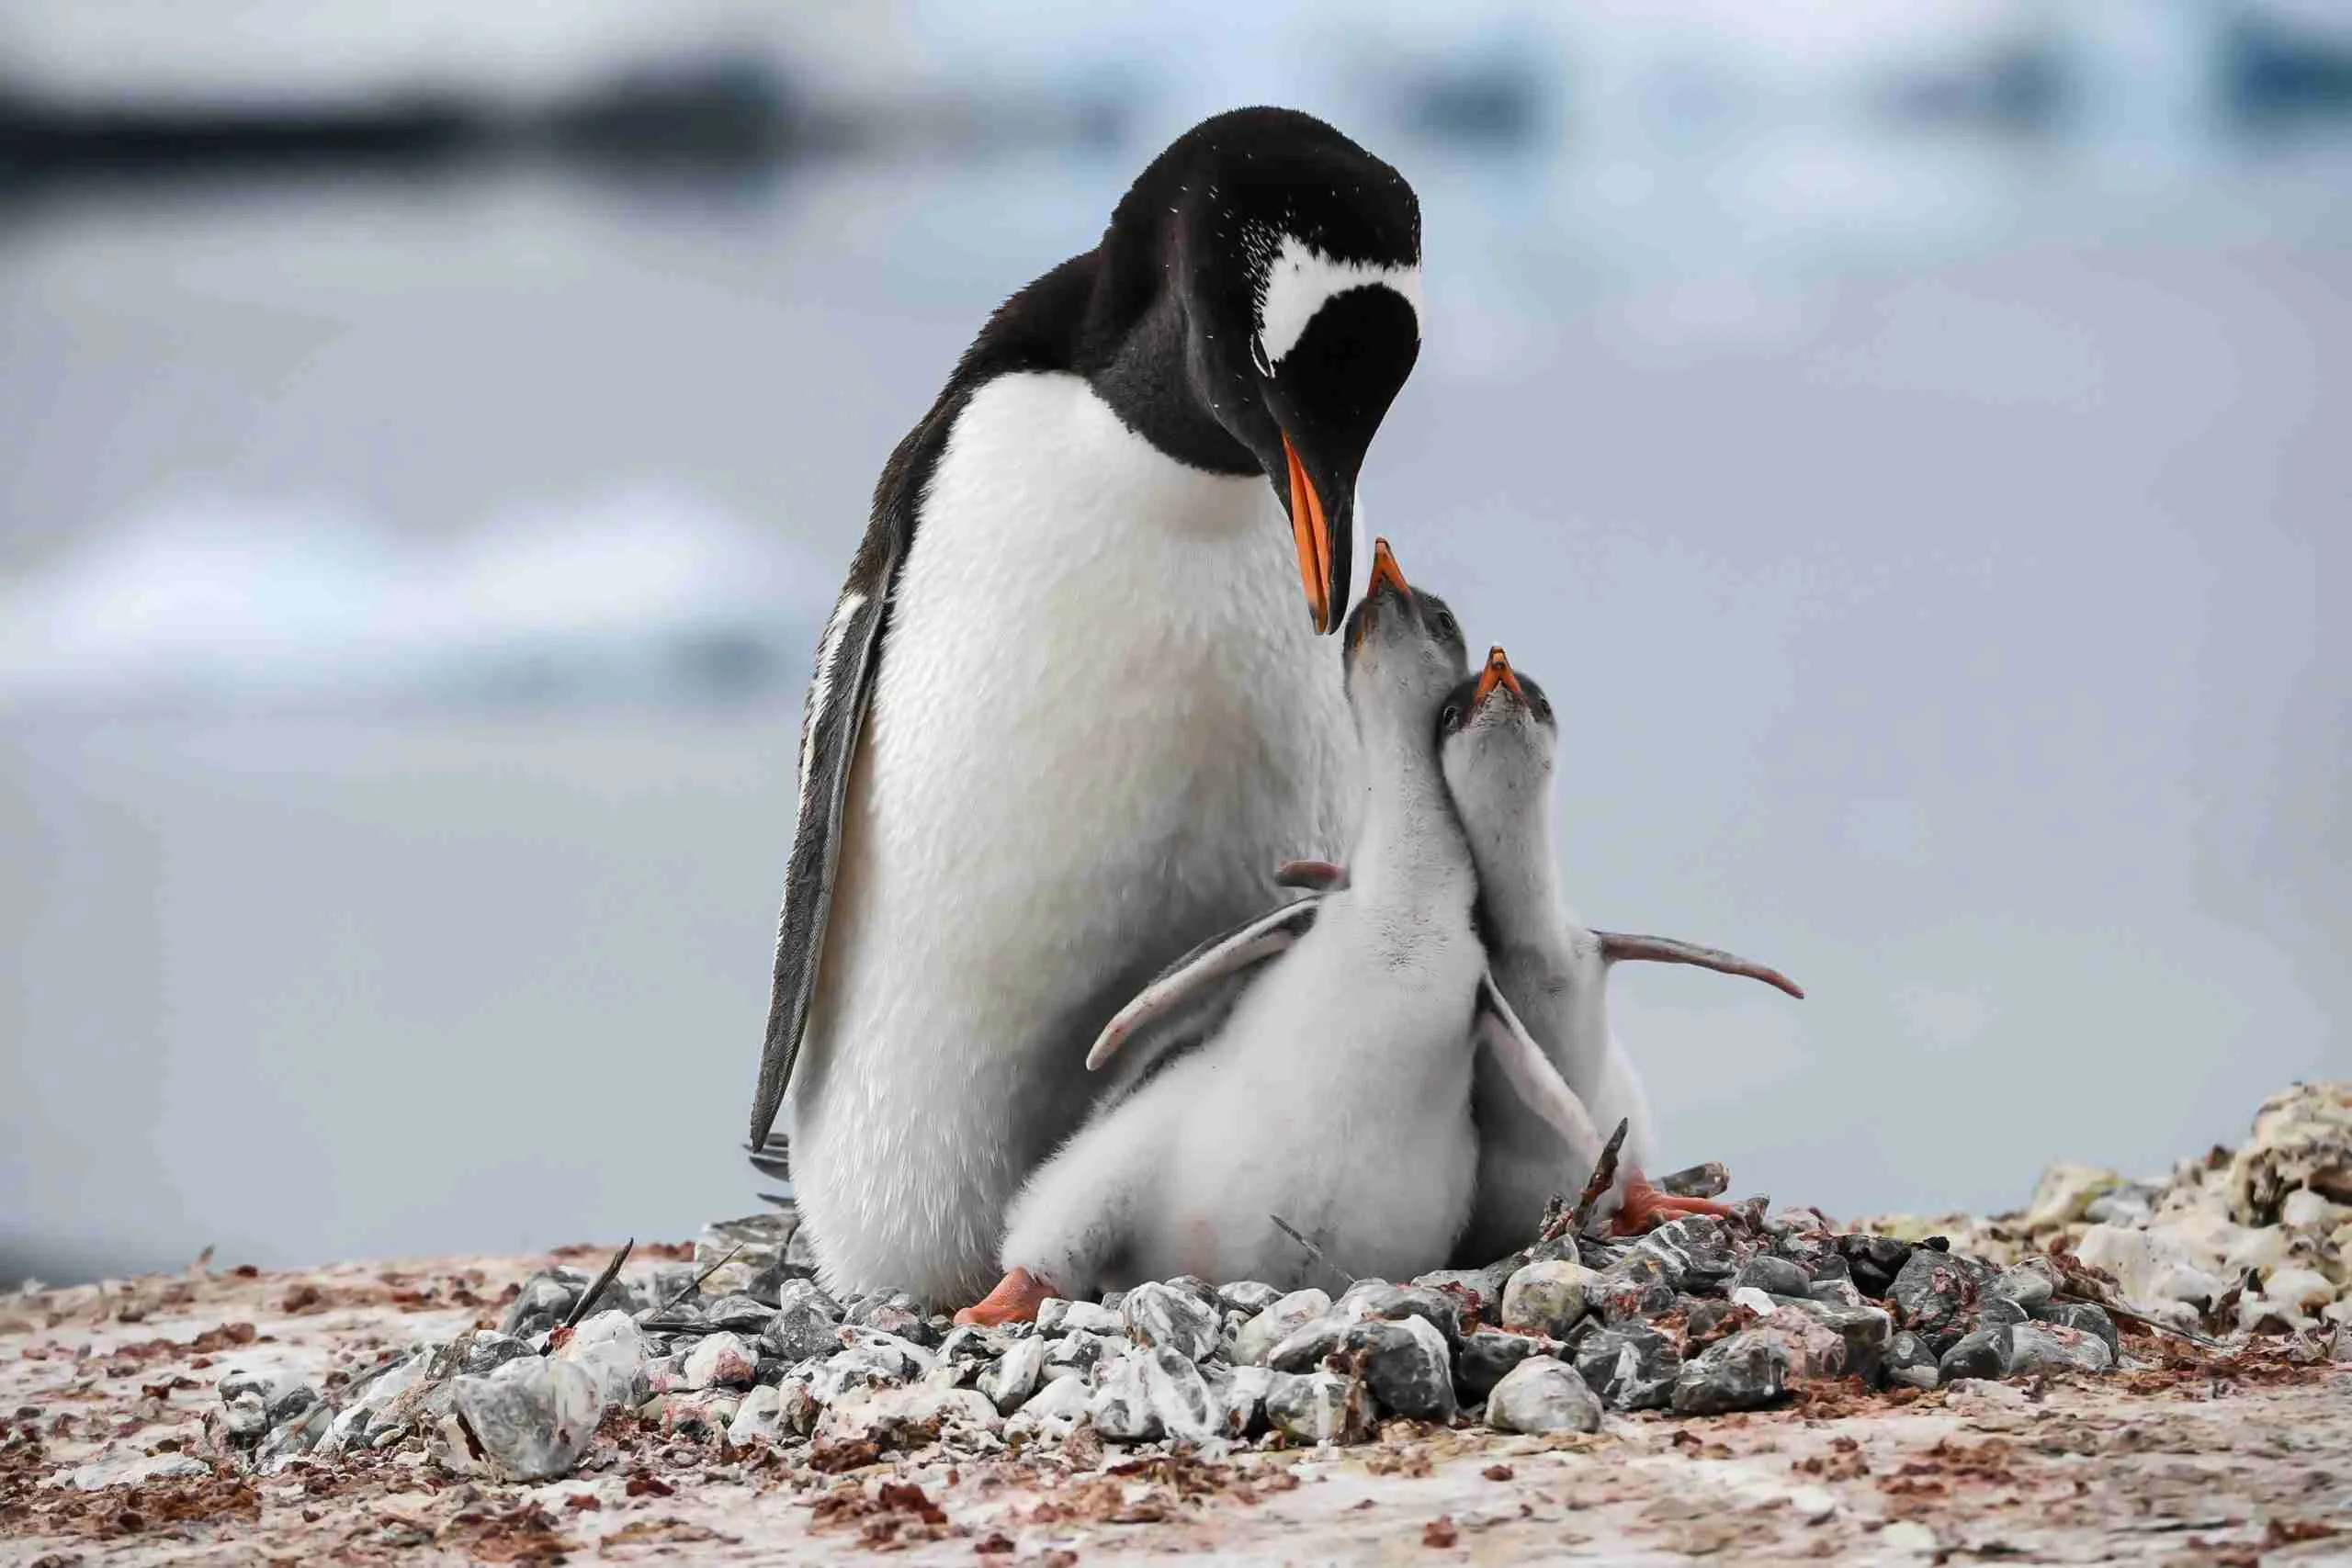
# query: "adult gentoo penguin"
1030, 772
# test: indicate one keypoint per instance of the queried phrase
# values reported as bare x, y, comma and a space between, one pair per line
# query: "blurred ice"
641, 594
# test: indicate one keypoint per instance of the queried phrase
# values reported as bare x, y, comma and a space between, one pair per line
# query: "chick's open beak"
1384, 571
1498, 673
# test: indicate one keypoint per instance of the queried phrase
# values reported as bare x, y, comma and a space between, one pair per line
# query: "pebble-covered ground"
2155, 1371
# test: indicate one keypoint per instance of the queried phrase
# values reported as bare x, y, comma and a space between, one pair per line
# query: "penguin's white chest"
1107, 652
1101, 718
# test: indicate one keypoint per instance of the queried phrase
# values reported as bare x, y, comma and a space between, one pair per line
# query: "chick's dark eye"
1445, 627
1451, 717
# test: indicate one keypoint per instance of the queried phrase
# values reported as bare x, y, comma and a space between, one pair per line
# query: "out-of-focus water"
405, 590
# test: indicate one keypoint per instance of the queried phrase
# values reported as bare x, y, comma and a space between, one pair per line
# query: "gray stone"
1746, 1371
1863, 1334
862, 1366
1836, 1292
1187, 1411
485, 1350
1009, 1381
1636, 1288
1632, 1367
881, 1342
1542, 1395
1712, 1180
908, 1418
760, 1416
893, 1312
807, 1292
1875, 1261
1319, 1407
1169, 1315
1111, 1300
745, 1314
1240, 1394
531, 1419
610, 1349
2030, 1284
1696, 1252
1809, 1349
2088, 1319
291, 1439
1910, 1362
756, 1243
2052, 1348
1478, 1291
1277, 1322
1773, 1275
136, 1470
802, 1331
721, 1360
254, 1402
1547, 1298
1121, 1408
1439, 1309
1249, 1297
1051, 1411
1405, 1364
1066, 1398
1486, 1355
1983, 1353
1936, 1294
1077, 1354
969, 1342
1800, 1237
546, 1300
1304, 1348
1193, 1285
1059, 1316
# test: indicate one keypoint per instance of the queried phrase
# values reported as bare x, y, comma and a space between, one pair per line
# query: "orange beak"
1385, 570
1312, 534
1497, 673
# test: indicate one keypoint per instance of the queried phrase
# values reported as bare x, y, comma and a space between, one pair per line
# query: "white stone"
611, 1348
721, 1360
1013, 1378
1277, 1322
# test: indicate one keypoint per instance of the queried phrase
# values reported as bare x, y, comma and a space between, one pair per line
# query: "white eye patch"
1301, 279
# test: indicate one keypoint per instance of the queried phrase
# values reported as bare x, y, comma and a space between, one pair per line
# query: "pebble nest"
1700, 1316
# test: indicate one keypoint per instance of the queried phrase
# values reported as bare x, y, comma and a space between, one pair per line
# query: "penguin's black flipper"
1183, 986
850, 651
846, 657
1530, 1072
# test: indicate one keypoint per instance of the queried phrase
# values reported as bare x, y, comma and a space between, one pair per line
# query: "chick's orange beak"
1312, 533
1497, 673
1385, 570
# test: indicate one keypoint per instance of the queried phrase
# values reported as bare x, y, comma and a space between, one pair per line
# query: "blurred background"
1910, 439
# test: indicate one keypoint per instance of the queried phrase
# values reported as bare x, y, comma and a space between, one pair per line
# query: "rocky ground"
2156, 1371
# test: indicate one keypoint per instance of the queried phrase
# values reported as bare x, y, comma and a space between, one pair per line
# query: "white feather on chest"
1101, 720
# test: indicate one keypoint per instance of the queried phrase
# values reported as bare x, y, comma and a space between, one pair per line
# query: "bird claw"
1016, 1299
1645, 1207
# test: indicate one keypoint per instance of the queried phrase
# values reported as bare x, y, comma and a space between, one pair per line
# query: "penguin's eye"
1451, 717
1445, 625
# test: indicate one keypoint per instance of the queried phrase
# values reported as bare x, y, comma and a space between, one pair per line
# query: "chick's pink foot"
1646, 1207
1016, 1299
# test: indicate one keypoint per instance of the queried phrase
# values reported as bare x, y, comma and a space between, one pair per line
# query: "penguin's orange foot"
1646, 1207
1016, 1299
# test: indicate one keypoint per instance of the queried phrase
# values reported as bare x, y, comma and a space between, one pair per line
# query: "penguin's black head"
1294, 260
1401, 641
